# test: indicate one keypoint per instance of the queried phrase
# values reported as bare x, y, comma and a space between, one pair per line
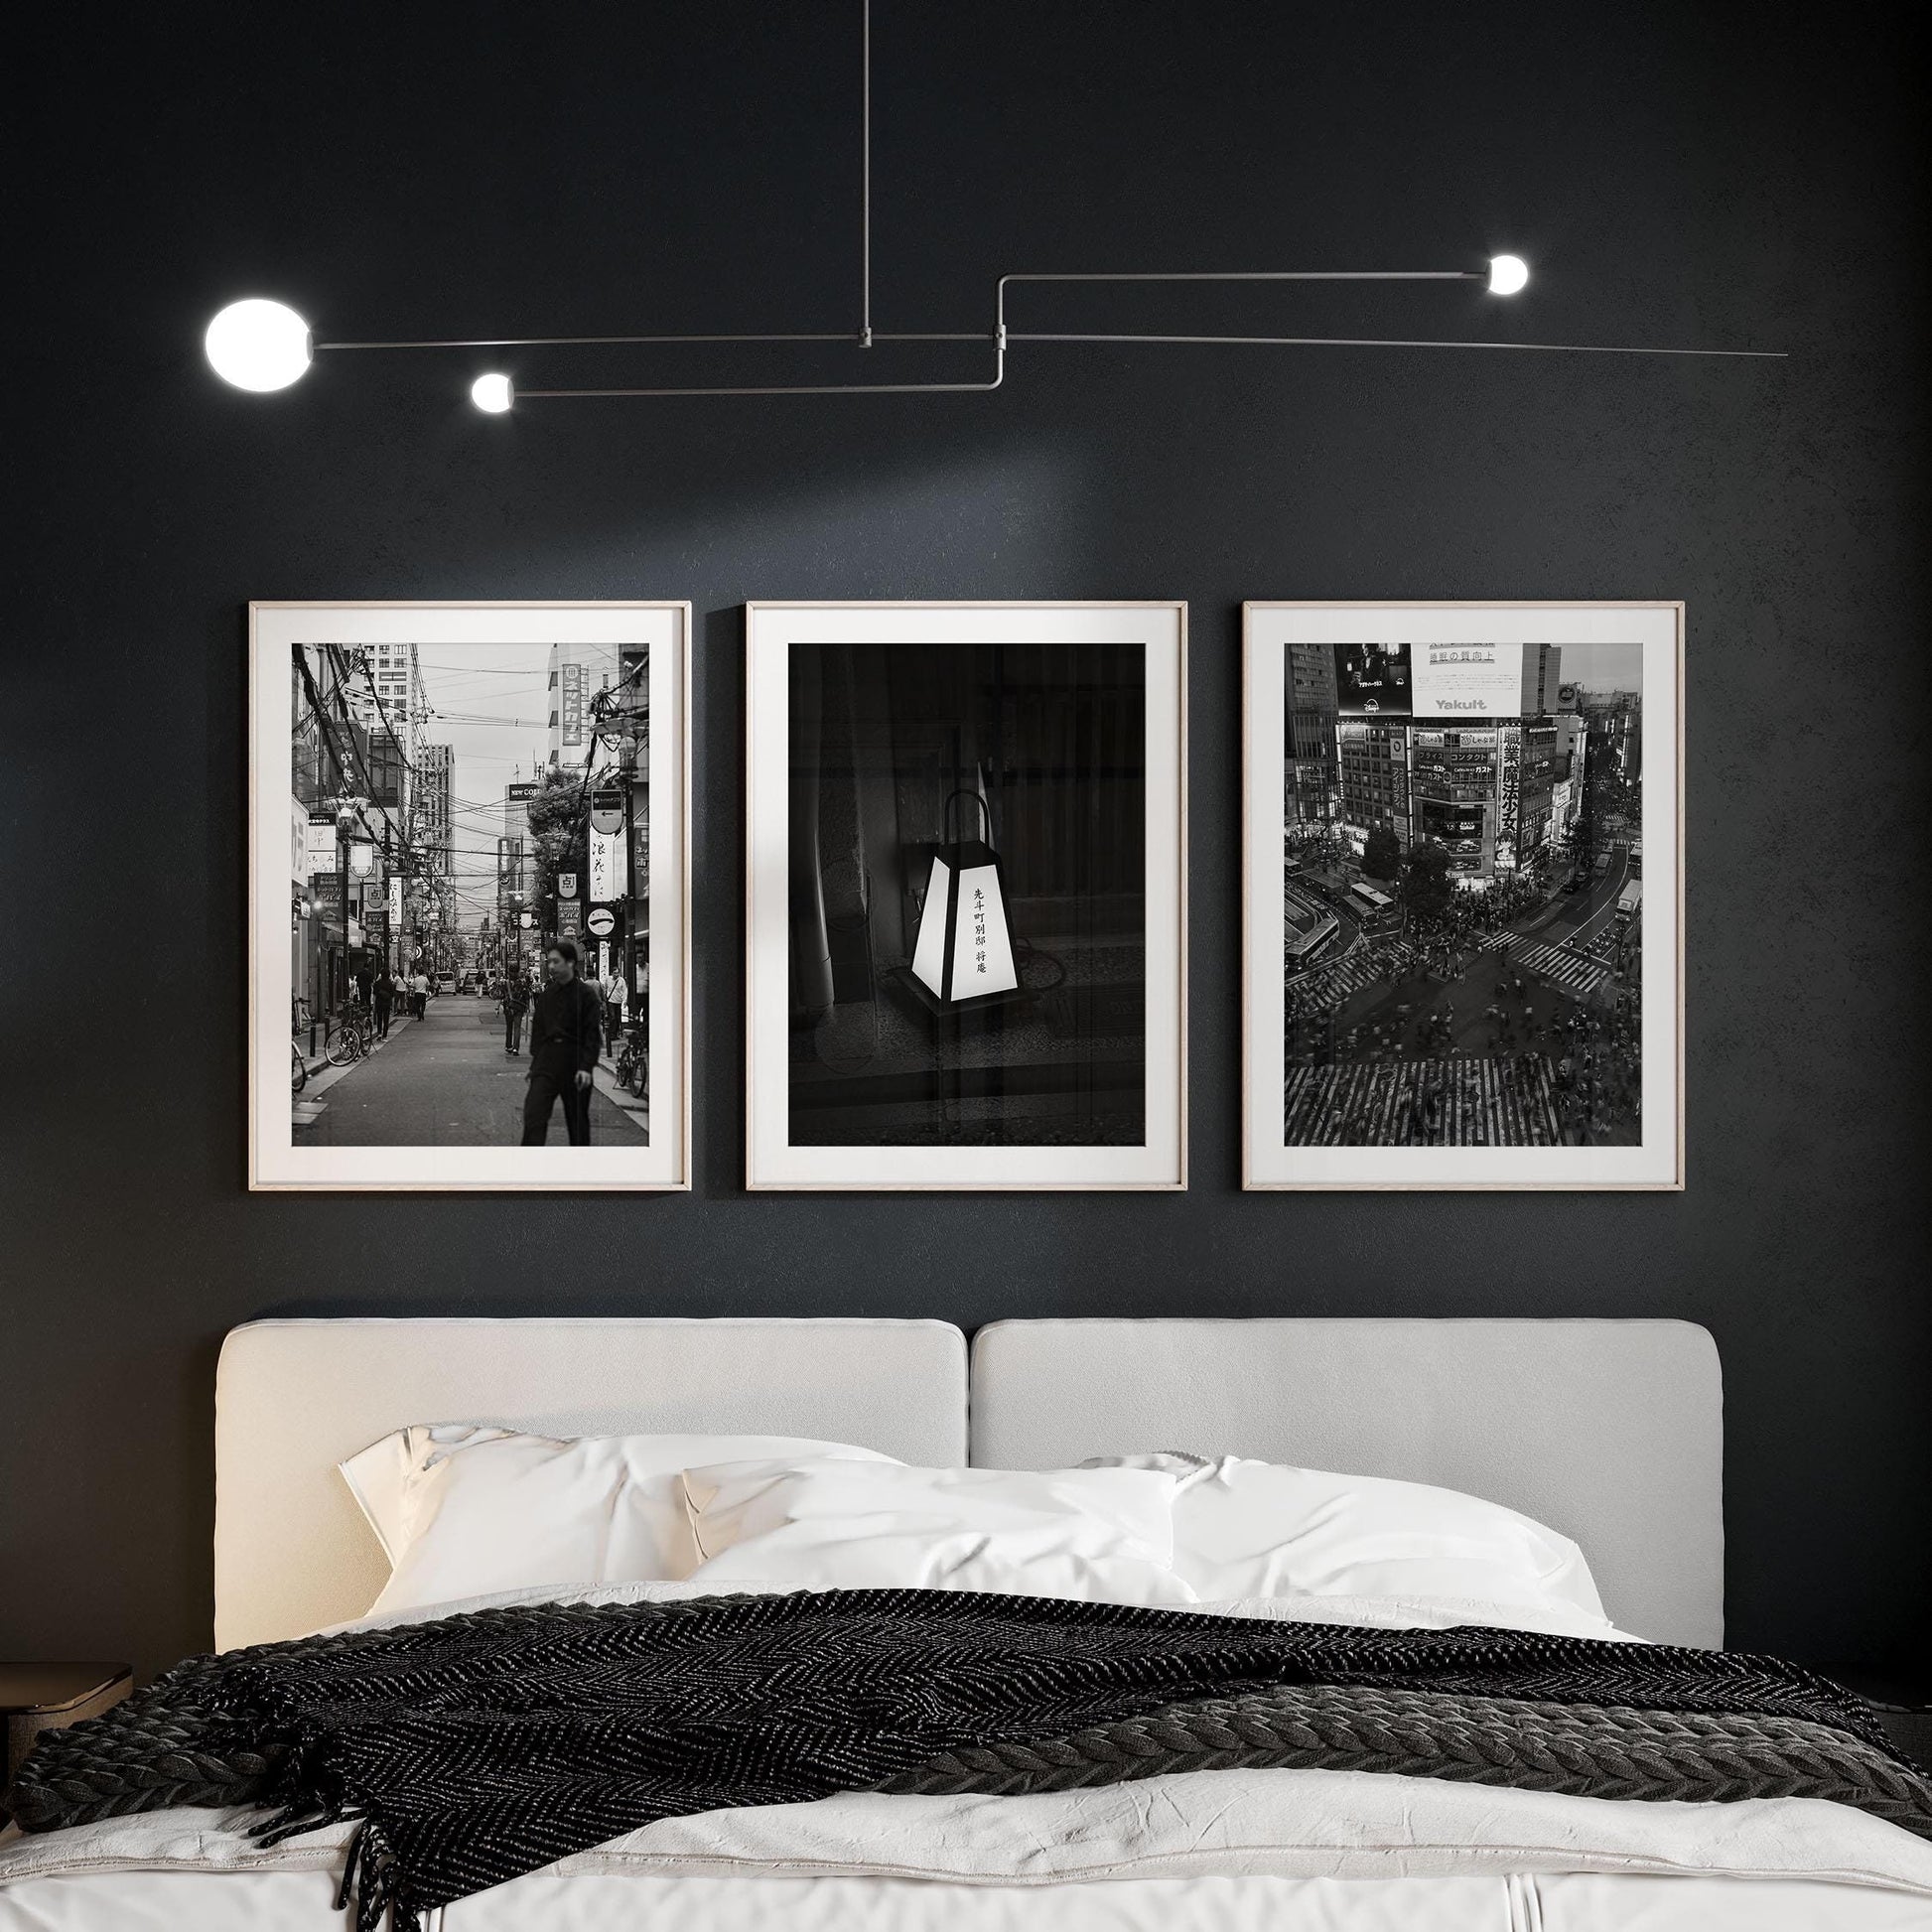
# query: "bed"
1607, 1431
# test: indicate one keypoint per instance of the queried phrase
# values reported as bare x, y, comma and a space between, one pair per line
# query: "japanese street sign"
321, 844
607, 865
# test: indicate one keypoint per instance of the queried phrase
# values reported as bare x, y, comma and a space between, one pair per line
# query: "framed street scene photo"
468, 835
967, 908
1462, 944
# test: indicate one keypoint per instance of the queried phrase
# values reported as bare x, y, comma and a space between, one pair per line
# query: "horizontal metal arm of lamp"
264, 345
1000, 337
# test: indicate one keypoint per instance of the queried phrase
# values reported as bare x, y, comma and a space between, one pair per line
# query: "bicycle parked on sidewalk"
299, 1021
634, 1060
353, 1035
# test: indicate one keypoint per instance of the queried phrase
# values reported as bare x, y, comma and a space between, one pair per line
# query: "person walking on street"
613, 1010
419, 994
366, 983
566, 1036
516, 1003
385, 1001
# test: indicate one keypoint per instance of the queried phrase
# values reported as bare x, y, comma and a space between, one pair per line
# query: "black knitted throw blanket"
482, 1747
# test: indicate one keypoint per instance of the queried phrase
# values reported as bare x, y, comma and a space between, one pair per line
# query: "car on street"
447, 983
468, 984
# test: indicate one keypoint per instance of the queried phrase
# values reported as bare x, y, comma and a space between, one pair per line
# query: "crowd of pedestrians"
1425, 1066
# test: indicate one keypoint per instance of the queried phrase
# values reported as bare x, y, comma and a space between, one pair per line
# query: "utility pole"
344, 821
630, 875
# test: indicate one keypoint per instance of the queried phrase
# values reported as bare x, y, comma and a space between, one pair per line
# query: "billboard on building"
1372, 680
1469, 680
1437, 681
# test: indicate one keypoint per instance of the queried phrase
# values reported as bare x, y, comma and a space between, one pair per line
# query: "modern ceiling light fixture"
264, 345
492, 395
1508, 274
259, 346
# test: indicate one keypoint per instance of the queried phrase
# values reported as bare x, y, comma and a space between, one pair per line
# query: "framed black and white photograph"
1463, 840
966, 895
470, 895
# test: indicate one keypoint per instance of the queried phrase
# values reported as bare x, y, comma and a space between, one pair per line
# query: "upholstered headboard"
1612, 1432
294, 1398
1608, 1431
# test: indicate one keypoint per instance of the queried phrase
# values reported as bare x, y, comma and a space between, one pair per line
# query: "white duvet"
1288, 1851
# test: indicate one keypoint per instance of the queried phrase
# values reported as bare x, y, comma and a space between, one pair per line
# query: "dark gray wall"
1683, 175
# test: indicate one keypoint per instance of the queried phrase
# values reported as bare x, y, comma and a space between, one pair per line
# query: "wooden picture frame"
392, 714
1064, 724
1507, 1010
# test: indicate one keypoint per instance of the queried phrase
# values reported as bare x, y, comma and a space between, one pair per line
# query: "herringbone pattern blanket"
482, 1747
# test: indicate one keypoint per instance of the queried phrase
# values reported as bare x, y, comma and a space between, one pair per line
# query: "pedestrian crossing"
1327, 986
1577, 973
1503, 1100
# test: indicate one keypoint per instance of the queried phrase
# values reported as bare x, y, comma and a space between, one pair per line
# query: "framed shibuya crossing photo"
1462, 866
966, 917
469, 924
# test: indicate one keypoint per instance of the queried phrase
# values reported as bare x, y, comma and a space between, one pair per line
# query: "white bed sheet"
593, 1902
1328, 1852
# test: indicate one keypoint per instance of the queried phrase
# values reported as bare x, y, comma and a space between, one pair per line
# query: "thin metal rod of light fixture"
865, 187
591, 342
1398, 342
933, 335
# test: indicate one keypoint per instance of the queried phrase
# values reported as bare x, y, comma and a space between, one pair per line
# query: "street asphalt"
441, 1081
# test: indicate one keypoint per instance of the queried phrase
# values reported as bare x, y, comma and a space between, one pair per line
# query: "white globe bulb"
259, 345
1507, 274
493, 393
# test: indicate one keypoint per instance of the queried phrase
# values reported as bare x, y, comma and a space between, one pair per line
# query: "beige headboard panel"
294, 1398
1609, 1431
1612, 1432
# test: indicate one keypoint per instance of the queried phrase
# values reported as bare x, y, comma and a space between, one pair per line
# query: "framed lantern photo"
966, 917
476, 929
1462, 883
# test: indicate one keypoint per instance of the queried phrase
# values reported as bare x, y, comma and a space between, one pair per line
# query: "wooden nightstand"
48, 1697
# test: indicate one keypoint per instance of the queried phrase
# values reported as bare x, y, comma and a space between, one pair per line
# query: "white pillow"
1101, 1536
467, 1510
1244, 1528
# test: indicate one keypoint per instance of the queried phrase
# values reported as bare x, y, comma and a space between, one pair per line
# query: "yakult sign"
1468, 680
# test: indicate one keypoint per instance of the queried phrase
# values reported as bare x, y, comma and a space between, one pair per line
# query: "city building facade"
578, 672
1313, 773
1476, 751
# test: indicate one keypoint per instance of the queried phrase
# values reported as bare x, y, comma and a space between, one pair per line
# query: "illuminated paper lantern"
964, 948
